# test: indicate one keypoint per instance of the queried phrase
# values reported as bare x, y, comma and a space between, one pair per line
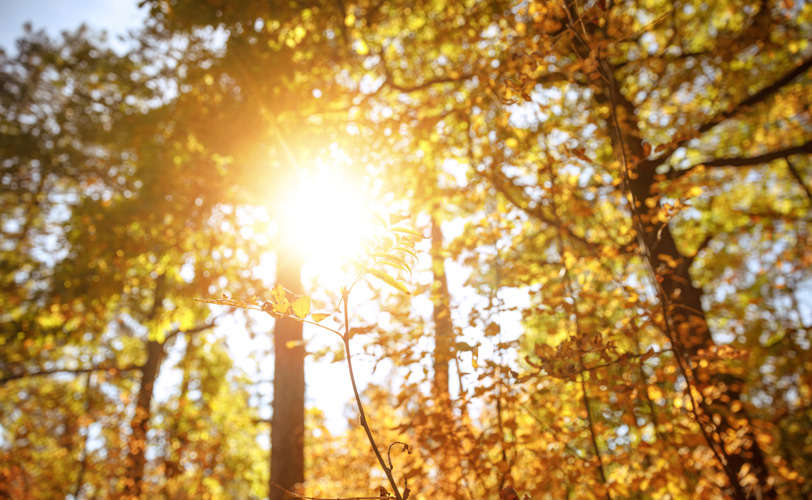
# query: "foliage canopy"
614, 302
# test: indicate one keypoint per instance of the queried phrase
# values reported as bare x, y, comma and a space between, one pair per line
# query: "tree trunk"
720, 411
443, 327
287, 423
136, 457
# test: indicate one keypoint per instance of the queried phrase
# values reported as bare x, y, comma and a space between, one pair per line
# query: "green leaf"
389, 280
301, 307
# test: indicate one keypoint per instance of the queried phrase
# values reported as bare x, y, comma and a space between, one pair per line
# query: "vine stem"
346, 337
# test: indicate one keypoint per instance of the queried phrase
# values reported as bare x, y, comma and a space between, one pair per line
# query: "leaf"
406, 230
301, 307
389, 280
278, 293
463, 347
405, 249
279, 300
390, 260
395, 218
318, 317
380, 219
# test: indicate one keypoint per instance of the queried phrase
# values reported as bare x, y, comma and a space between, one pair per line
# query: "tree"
109, 301
288, 423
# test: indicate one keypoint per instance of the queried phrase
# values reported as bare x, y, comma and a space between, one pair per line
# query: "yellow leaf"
317, 317
406, 230
389, 280
512, 143
301, 306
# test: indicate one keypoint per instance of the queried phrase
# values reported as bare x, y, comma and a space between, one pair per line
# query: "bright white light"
325, 219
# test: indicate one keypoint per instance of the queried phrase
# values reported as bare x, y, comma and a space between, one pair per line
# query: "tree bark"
136, 457
287, 423
719, 411
443, 327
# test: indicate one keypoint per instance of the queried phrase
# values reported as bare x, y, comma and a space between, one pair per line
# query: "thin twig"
364, 424
389, 452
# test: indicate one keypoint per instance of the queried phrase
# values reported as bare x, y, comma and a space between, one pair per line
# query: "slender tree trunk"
177, 441
443, 327
287, 423
719, 411
136, 458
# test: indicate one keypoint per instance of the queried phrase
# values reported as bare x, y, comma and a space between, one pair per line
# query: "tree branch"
197, 329
74, 371
389, 80
797, 176
805, 148
715, 120
535, 212
388, 471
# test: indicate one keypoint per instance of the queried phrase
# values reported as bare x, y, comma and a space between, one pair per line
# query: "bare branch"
388, 471
200, 328
426, 84
797, 176
504, 184
708, 238
389, 452
760, 96
805, 148
390, 82
74, 371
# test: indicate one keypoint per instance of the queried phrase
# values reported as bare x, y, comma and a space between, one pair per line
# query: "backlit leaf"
318, 317
389, 280
301, 307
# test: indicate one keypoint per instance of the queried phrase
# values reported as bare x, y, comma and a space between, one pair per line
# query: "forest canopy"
562, 247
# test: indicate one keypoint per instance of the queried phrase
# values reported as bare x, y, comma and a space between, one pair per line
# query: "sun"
325, 218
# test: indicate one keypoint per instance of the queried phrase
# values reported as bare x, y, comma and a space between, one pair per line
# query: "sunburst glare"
325, 217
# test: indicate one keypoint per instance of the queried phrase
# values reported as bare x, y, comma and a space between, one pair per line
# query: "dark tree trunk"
720, 412
443, 327
136, 457
287, 423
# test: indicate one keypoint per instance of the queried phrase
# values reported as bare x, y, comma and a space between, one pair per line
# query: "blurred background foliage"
615, 298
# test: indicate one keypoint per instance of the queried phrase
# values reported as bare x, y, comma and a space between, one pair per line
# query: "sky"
113, 16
